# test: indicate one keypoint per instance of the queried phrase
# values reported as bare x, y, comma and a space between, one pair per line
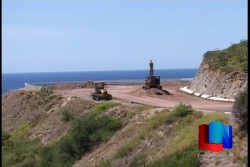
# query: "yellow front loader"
100, 92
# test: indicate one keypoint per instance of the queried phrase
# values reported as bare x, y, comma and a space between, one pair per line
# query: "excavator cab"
157, 80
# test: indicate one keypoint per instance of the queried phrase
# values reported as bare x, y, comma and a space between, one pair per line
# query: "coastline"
109, 82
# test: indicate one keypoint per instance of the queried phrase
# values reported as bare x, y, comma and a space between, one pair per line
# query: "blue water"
16, 80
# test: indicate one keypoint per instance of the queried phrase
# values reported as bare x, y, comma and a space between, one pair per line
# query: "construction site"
118, 124
153, 92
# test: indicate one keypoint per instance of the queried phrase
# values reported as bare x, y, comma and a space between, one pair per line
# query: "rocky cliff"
222, 73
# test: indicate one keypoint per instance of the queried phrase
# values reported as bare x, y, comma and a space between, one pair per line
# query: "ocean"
11, 81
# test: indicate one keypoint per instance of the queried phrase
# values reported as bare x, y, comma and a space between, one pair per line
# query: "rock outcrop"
223, 73
217, 83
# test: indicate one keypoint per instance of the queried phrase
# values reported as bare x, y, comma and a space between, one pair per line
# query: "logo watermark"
215, 136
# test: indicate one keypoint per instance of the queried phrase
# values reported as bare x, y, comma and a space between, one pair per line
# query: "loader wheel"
109, 97
97, 98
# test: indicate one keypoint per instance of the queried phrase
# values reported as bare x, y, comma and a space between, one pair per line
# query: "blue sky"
92, 35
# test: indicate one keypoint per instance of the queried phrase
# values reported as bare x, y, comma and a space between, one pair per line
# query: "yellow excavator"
152, 81
100, 92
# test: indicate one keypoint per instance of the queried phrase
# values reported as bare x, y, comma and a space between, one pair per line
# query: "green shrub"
240, 110
67, 115
103, 107
45, 91
92, 129
183, 109
85, 133
22, 131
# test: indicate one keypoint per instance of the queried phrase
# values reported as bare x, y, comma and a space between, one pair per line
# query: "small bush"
240, 110
183, 109
67, 115
103, 107
22, 131
47, 90
92, 129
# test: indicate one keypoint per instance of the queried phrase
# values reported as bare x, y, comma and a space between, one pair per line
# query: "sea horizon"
93, 71
12, 81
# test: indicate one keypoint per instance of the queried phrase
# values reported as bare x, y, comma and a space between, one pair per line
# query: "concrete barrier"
32, 87
197, 94
205, 96
221, 99
185, 89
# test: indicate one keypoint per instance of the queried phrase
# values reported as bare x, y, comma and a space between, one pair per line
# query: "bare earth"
135, 94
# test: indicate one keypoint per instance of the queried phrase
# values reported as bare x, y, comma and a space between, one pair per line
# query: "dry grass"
189, 133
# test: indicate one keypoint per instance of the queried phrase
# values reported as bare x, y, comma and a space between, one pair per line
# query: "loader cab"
99, 86
100, 92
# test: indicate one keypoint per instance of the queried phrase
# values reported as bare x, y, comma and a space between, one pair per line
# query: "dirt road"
135, 94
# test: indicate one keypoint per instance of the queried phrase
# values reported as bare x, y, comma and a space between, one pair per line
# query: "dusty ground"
169, 98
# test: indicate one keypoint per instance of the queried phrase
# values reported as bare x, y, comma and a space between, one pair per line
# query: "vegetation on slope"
17, 150
231, 59
88, 129
178, 146
240, 110
154, 137
86, 132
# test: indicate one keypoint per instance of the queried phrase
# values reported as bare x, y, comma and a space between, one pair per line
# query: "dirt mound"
175, 83
152, 92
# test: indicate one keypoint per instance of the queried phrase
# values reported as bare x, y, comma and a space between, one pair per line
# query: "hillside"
223, 73
43, 129
233, 58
